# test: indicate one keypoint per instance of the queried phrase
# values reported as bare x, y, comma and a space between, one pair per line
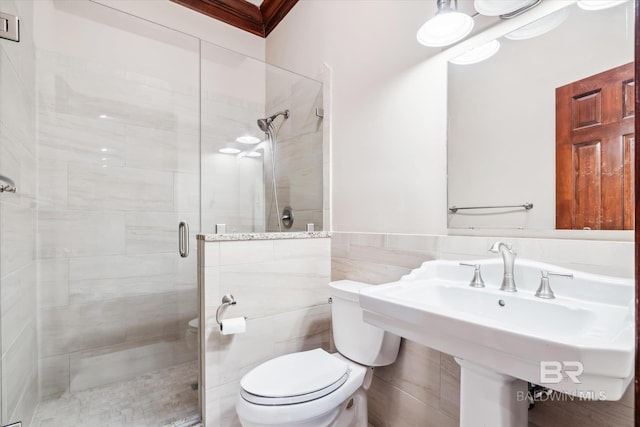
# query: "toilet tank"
355, 339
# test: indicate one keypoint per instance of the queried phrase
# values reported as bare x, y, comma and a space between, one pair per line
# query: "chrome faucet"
509, 258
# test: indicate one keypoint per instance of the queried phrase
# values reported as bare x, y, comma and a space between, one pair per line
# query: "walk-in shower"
266, 125
112, 143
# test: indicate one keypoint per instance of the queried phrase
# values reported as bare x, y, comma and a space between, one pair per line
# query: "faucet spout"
508, 258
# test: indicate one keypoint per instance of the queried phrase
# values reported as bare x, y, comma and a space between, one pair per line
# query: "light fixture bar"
520, 11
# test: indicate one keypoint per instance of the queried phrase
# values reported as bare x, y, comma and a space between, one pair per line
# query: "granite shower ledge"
263, 236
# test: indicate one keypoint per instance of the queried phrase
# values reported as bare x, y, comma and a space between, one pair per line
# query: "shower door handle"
183, 239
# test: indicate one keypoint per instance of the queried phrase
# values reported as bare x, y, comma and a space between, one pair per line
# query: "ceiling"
254, 16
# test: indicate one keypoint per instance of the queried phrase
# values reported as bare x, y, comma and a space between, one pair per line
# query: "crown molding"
243, 14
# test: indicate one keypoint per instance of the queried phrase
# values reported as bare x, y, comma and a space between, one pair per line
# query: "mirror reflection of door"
595, 151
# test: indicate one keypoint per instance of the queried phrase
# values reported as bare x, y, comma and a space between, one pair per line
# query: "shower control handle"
183, 239
287, 217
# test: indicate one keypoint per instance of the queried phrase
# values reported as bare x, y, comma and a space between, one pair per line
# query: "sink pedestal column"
491, 399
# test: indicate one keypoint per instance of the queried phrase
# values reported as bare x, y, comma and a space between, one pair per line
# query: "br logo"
552, 371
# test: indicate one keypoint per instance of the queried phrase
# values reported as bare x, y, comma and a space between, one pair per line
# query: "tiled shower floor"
161, 398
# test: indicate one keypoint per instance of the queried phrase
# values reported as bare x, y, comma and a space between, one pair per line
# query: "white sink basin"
590, 322
482, 305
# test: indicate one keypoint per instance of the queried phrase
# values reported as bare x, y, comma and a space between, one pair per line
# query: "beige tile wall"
422, 387
18, 321
281, 286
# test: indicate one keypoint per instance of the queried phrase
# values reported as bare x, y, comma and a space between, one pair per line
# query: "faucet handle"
477, 281
495, 248
544, 290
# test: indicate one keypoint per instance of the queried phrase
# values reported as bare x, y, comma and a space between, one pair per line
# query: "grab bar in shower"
7, 185
526, 206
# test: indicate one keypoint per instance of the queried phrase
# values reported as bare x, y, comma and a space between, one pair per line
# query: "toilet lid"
294, 378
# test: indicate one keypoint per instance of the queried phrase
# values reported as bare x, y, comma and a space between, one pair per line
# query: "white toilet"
315, 388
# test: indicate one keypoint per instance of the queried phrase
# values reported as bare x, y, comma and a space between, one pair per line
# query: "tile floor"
161, 398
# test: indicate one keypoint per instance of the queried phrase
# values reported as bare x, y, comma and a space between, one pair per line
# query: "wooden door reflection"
594, 151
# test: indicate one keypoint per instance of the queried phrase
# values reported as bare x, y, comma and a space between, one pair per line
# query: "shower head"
265, 124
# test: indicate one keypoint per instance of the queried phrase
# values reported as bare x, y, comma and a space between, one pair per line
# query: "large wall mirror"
502, 117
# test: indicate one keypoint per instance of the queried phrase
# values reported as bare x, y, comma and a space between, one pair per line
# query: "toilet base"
353, 412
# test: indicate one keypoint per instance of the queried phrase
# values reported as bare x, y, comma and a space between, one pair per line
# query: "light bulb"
447, 27
540, 26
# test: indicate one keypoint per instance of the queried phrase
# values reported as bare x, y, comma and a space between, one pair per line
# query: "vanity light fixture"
540, 26
598, 4
247, 139
229, 150
446, 27
477, 54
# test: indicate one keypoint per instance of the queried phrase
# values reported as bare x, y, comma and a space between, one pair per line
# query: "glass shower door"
239, 188
118, 170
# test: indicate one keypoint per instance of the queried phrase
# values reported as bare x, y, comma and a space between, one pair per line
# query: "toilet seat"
294, 378
314, 413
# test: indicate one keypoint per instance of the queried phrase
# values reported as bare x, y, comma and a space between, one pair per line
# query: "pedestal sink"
580, 343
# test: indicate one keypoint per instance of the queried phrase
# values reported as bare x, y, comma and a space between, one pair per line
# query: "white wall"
388, 109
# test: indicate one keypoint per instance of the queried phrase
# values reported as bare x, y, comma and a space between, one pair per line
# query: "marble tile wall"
299, 150
281, 286
18, 320
118, 156
422, 387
